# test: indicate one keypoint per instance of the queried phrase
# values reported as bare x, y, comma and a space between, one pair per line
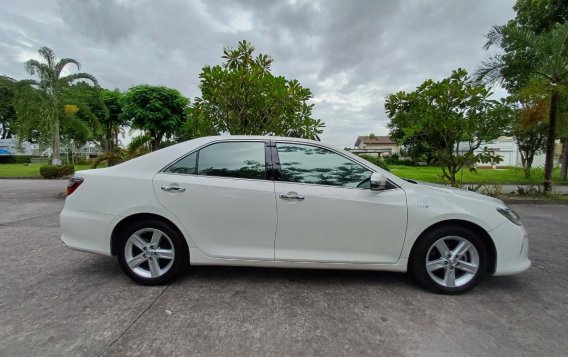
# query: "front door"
223, 198
327, 213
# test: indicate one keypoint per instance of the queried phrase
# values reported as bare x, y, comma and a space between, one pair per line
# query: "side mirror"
378, 181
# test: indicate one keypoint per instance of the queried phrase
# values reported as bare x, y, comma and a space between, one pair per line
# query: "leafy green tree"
50, 99
529, 122
197, 124
7, 111
519, 60
529, 127
547, 54
452, 117
108, 110
242, 96
158, 110
115, 123
540, 15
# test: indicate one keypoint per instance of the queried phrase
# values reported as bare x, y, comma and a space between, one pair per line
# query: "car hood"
459, 193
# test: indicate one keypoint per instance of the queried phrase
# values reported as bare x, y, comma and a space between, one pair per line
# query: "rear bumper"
86, 231
512, 245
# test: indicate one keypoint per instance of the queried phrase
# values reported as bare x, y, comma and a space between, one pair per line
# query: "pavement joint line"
25, 219
134, 321
549, 272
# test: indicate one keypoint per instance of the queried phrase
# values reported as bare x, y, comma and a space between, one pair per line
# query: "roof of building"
374, 140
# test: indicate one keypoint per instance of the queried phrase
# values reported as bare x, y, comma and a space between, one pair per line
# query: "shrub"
55, 171
395, 159
15, 159
82, 161
376, 161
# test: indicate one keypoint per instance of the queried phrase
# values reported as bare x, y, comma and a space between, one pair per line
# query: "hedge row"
55, 171
15, 159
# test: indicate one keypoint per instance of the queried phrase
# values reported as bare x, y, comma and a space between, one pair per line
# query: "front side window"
233, 159
316, 165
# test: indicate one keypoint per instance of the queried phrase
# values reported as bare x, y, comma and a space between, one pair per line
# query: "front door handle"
171, 188
291, 196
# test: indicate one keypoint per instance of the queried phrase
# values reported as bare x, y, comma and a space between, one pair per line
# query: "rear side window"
233, 159
185, 166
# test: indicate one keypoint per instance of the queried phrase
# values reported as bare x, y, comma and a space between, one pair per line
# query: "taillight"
73, 183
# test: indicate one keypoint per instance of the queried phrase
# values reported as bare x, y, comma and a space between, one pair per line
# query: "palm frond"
77, 125
494, 37
524, 38
90, 116
76, 76
137, 143
64, 62
49, 56
489, 71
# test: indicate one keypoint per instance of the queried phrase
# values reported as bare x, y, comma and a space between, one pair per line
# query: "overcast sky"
351, 54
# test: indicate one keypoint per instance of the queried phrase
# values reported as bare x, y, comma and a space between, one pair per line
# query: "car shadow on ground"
107, 268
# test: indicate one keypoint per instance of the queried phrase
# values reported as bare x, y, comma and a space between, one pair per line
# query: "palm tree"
52, 85
549, 62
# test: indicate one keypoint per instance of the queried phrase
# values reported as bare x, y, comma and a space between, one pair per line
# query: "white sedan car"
290, 203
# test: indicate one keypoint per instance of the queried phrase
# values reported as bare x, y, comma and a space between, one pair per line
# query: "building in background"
508, 149
12, 148
375, 146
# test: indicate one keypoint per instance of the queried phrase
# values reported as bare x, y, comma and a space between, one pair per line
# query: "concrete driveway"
56, 302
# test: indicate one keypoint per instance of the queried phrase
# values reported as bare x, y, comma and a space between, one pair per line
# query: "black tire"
420, 256
180, 252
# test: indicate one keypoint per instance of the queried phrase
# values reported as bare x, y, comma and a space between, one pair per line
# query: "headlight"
510, 215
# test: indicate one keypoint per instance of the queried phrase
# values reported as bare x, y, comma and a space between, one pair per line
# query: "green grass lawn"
31, 171
483, 176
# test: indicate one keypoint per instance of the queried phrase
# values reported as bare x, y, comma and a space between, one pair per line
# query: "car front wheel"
151, 252
449, 260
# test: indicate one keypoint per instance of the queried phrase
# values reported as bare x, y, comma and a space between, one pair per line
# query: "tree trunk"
156, 139
56, 159
528, 164
549, 163
524, 163
564, 170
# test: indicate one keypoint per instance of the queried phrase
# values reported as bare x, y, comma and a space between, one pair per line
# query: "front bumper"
512, 246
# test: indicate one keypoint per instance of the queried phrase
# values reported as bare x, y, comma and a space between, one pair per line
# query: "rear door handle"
291, 196
171, 188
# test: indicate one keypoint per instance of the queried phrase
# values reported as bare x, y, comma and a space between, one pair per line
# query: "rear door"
224, 199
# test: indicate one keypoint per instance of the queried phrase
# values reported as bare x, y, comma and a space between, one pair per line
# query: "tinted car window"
312, 164
184, 166
238, 159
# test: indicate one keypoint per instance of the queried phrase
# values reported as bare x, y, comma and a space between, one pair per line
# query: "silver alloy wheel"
452, 261
149, 253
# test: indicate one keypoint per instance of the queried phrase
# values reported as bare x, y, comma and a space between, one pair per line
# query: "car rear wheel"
449, 260
151, 252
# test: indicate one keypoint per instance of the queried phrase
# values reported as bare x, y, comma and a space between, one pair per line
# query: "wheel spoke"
461, 249
156, 237
435, 264
450, 278
442, 247
154, 268
165, 253
136, 261
138, 241
467, 267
